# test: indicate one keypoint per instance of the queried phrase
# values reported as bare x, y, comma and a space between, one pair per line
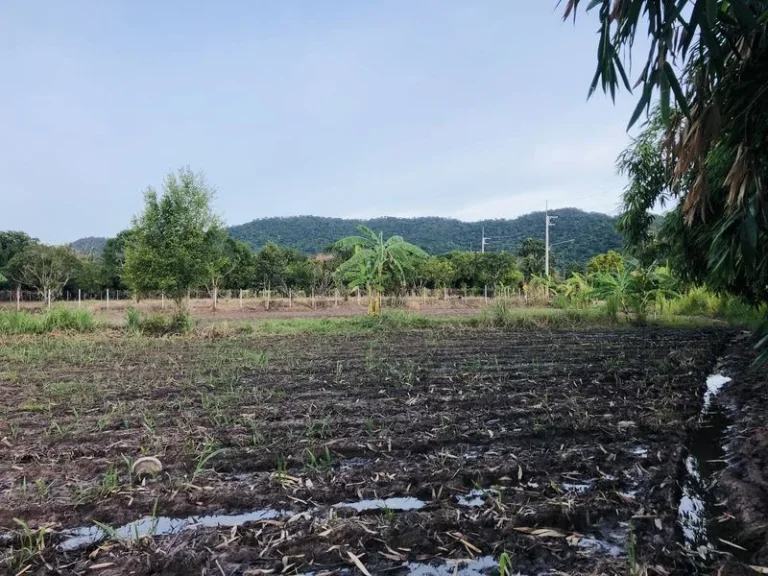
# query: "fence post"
107, 298
78, 298
49, 298
241, 298
18, 297
313, 297
358, 296
290, 298
336, 297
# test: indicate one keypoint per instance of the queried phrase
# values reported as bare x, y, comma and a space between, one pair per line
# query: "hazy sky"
470, 109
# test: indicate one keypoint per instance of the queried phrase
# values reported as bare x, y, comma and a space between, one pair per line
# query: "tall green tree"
244, 274
168, 245
11, 243
499, 269
532, 254
281, 268
45, 269
113, 260
609, 262
375, 260
706, 146
221, 258
435, 271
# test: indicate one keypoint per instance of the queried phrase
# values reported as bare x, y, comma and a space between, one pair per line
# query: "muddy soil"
420, 453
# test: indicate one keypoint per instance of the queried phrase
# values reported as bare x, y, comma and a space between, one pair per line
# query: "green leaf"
680, 98
744, 14
642, 104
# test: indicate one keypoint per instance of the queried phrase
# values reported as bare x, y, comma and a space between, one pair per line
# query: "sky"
340, 108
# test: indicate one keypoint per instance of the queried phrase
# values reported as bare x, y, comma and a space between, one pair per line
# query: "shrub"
696, 302
133, 318
180, 322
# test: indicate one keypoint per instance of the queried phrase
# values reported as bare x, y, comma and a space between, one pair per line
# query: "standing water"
697, 512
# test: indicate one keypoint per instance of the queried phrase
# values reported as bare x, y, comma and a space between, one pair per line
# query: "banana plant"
376, 261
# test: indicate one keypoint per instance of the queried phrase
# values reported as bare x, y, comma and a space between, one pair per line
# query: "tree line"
178, 244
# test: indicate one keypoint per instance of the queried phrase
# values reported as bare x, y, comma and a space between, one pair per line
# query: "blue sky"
337, 108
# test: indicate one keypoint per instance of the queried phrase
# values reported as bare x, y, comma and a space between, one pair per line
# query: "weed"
109, 532
149, 422
634, 567
42, 488
110, 483
319, 464
133, 320
129, 467
208, 452
32, 545
34, 407
505, 564
321, 429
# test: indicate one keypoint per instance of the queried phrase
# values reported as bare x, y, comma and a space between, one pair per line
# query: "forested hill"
593, 232
89, 245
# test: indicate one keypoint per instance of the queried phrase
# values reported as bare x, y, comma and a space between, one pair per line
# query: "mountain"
592, 232
89, 245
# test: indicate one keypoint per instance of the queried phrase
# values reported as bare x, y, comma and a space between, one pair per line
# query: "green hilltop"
592, 232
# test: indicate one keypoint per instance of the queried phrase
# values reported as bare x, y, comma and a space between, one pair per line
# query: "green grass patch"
57, 319
495, 316
387, 321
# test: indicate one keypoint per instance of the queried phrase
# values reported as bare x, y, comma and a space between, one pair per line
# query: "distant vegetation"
593, 233
89, 245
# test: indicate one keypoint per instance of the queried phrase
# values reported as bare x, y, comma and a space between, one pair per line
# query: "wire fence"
276, 298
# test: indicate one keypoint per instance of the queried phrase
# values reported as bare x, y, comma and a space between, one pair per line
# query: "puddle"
579, 487
355, 463
598, 547
476, 497
697, 511
715, 382
161, 526
401, 504
639, 451
479, 567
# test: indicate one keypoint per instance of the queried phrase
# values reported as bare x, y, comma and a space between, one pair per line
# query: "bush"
160, 324
562, 301
62, 319
737, 312
696, 302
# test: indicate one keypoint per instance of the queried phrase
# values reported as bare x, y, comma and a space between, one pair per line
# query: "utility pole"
482, 251
548, 221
